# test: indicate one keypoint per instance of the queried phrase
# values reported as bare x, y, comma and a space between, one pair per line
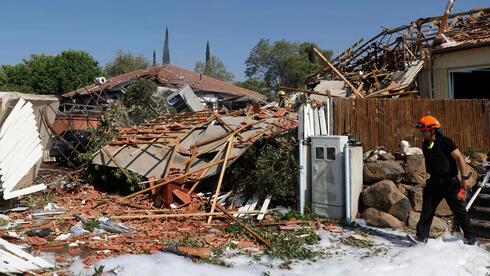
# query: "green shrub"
269, 167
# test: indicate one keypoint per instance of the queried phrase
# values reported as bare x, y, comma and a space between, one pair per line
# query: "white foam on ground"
444, 256
161, 264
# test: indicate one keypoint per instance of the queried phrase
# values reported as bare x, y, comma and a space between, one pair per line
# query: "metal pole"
347, 182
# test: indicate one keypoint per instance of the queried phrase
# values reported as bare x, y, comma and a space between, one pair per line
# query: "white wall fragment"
20, 148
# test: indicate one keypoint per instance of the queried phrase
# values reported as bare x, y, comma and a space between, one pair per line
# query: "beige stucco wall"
465, 58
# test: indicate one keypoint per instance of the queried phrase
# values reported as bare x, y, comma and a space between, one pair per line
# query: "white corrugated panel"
307, 122
311, 121
316, 121
20, 148
323, 123
14, 260
327, 117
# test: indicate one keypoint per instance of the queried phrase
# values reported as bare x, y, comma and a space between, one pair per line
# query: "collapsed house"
184, 90
178, 151
24, 140
430, 58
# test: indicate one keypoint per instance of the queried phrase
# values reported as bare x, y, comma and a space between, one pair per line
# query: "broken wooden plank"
224, 123
174, 178
265, 205
325, 60
216, 144
162, 215
228, 214
115, 162
218, 187
205, 172
169, 164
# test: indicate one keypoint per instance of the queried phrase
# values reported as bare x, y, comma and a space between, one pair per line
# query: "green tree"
3, 77
71, 70
15, 78
208, 53
282, 62
126, 62
43, 74
58, 74
76, 69
142, 101
166, 50
154, 59
215, 69
255, 85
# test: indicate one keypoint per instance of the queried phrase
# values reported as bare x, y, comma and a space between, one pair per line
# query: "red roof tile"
171, 76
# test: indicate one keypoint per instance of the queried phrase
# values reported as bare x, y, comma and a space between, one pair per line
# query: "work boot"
416, 239
469, 241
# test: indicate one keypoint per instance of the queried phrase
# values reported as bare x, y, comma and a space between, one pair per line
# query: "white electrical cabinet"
328, 176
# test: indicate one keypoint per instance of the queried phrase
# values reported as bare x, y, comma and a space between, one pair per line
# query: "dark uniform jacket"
438, 160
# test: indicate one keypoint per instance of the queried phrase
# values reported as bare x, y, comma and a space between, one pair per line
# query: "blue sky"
232, 27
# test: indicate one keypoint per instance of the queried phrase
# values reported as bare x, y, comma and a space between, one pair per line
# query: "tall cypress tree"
154, 59
166, 51
208, 53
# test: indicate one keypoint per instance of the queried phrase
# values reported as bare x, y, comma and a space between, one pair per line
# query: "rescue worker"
282, 98
442, 160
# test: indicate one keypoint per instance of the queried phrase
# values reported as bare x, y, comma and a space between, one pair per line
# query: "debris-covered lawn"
134, 238
347, 252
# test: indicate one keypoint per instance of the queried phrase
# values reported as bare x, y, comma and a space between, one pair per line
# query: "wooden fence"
386, 122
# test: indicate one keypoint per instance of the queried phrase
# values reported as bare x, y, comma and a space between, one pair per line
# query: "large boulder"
415, 195
379, 218
385, 196
415, 169
443, 209
479, 157
474, 176
386, 156
438, 224
402, 189
380, 170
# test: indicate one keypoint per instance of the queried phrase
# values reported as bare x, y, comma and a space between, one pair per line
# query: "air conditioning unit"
100, 80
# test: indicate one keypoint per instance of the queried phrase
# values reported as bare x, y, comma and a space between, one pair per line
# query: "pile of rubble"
388, 64
393, 188
175, 152
89, 224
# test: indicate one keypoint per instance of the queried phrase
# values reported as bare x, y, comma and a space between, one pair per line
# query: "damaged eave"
388, 64
460, 47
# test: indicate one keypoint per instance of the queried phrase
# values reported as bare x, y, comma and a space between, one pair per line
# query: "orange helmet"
428, 122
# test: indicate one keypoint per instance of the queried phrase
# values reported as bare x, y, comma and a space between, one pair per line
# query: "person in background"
282, 98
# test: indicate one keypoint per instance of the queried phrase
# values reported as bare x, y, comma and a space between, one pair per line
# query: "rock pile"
393, 189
